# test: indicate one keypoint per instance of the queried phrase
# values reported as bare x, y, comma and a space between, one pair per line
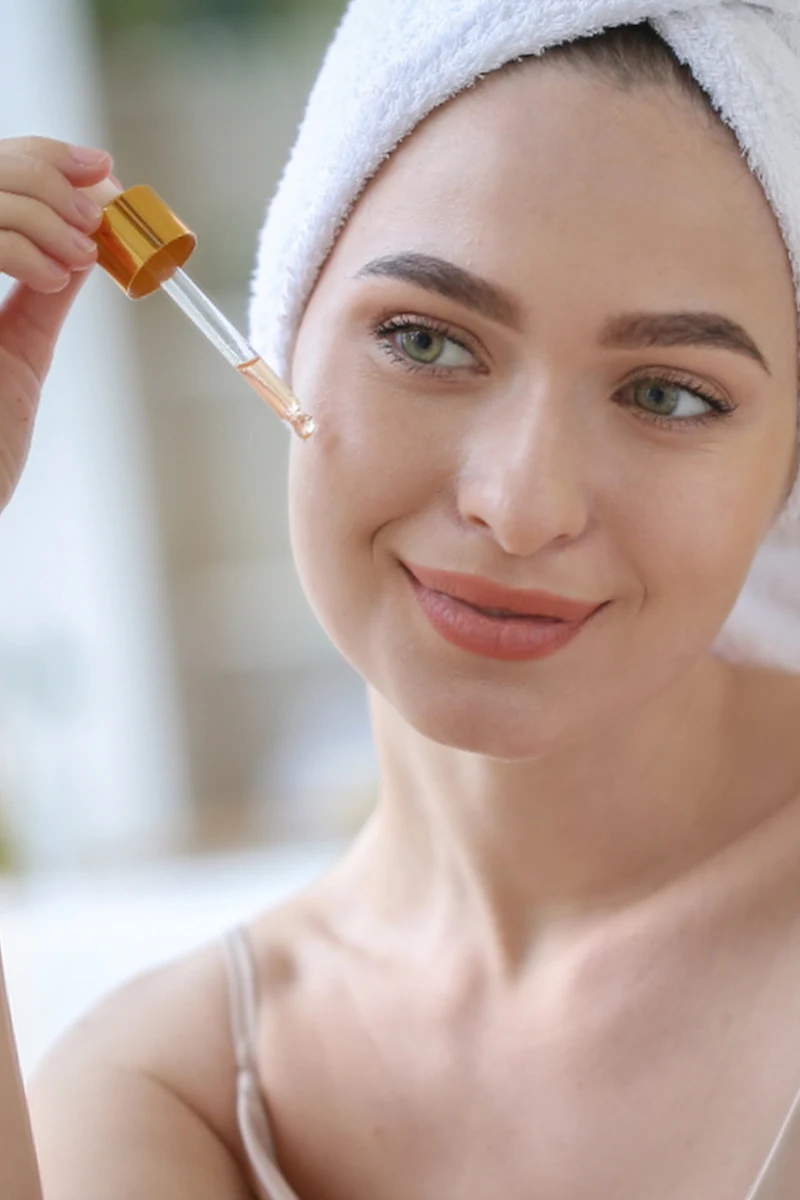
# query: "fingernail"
83, 243
55, 268
116, 182
87, 156
86, 207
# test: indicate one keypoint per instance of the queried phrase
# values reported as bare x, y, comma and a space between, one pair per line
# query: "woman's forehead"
553, 142
549, 174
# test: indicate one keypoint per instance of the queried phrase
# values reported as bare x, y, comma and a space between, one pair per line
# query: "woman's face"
555, 347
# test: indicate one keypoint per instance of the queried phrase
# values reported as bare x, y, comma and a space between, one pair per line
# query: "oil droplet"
302, 424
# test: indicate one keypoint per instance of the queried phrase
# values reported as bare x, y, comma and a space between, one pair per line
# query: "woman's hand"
44, 223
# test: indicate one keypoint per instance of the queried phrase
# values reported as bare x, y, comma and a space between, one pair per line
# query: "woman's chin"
485, 729
475, 708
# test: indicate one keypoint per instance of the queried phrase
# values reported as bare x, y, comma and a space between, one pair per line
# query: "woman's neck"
661, 807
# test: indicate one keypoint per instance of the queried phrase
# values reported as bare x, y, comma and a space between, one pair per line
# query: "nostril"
473, 519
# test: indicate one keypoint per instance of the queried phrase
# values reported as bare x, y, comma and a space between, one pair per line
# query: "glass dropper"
143, 245
239, 353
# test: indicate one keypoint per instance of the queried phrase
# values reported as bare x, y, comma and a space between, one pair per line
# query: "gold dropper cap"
141, 243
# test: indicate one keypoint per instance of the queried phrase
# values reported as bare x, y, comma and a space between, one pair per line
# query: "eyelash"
404, 324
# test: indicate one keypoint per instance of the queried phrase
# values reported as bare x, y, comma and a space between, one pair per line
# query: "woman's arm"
19, 1177
110, 1132
133, 1104
137, 1101
110, 1115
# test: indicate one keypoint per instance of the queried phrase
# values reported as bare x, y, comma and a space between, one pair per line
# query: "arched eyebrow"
627, 331
444, 277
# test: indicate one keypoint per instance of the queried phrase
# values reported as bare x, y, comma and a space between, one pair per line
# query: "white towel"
393, 61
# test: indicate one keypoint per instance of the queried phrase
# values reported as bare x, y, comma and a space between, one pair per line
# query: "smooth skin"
560, 960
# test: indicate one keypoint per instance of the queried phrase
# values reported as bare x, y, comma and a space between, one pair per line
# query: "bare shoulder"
138, 1098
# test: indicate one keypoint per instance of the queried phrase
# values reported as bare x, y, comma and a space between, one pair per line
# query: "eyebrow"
445, 278
627, 331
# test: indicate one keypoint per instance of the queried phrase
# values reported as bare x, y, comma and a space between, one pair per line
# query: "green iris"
659, 398
422, 345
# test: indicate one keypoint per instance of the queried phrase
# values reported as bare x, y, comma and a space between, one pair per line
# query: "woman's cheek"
337, 501
702, 552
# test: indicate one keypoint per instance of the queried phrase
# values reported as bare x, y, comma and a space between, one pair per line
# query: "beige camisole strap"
778, 1179
250, 1107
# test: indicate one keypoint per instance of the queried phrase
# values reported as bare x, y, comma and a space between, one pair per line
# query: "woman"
561, 959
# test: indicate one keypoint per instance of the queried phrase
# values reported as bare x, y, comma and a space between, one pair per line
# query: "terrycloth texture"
393, 61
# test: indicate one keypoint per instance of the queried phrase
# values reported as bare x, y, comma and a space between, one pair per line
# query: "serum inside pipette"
261, 380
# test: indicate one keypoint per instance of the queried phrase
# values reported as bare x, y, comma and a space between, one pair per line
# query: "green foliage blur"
8, 859
118, 16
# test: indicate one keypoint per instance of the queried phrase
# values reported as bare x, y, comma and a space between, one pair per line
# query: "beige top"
773, 1182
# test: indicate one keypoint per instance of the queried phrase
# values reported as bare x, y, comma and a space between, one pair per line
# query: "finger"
80, 164
46, 230
20, 259
30, 322
21, 175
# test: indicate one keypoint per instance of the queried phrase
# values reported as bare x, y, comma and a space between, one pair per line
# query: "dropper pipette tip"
302, 424
274, 392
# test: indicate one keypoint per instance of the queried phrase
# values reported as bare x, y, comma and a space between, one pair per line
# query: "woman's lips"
519, 624
485, 593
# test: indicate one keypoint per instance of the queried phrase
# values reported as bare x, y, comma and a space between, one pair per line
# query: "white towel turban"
393, 61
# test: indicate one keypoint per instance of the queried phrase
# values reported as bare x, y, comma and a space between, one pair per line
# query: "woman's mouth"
489, 619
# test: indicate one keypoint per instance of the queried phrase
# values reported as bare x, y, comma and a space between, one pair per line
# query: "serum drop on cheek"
143, 246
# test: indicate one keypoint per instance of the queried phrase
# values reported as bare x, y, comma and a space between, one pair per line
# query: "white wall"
91, 749
70, 939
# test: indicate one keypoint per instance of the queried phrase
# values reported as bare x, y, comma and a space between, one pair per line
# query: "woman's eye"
432, 349
669, 400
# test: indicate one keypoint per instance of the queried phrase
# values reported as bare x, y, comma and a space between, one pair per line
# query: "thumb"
31, 321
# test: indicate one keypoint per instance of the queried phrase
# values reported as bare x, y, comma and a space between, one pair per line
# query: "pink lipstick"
487, 618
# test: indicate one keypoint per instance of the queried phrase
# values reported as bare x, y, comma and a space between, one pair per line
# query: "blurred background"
179, 743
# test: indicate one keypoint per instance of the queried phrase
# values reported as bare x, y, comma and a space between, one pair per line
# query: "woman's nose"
522, 478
